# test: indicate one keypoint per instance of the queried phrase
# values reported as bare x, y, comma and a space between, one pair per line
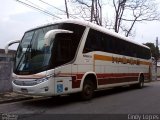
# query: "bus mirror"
9, 44
49, 36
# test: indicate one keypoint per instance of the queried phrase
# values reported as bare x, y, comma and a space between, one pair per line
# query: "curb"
15, 100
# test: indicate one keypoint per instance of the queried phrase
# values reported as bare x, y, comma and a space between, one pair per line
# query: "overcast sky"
17, 18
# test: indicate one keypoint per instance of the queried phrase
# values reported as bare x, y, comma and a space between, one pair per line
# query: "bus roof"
93, 26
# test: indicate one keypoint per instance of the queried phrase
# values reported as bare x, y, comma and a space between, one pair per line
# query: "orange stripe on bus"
145, 63
101, 57
110, 58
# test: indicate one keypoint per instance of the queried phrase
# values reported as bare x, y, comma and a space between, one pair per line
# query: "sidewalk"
13, 97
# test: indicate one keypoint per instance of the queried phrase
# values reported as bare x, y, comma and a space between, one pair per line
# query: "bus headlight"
41, 80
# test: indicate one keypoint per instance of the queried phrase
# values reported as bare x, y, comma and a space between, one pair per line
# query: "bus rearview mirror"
49, 36
9, 44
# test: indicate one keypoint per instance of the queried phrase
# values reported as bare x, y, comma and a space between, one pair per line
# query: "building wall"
6, 65
158, 71
5, 77
158, 68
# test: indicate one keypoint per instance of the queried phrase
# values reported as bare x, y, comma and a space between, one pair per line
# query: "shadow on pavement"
58, 101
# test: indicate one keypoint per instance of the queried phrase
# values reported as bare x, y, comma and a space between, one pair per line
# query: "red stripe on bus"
104, 79
117, 75
114, 80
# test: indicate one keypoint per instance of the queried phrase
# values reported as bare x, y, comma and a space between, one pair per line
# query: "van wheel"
141, 82
88, 90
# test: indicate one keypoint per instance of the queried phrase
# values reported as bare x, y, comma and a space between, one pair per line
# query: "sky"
17, 18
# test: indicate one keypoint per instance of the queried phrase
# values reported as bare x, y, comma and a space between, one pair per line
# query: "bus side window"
107, 43
93, 42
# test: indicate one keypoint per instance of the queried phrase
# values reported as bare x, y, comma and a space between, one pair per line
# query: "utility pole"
156, 56
66, 9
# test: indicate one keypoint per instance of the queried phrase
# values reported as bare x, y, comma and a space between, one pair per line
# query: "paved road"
113, 101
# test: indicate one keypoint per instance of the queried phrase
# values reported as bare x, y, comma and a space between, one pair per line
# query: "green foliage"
154, 50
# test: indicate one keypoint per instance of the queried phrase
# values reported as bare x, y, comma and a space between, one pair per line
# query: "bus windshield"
33, 56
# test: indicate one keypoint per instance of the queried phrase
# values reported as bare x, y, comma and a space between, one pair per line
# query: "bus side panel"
61, 82
112, 72
82, 65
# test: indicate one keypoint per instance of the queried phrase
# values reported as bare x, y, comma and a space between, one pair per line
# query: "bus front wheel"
88, 90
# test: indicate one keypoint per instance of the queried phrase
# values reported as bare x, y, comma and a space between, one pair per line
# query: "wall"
158, 71
5, 77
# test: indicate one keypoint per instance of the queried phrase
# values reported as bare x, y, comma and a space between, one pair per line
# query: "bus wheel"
141, 82
88, 90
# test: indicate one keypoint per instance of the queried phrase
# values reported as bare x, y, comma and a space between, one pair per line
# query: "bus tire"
140, 85
88, 90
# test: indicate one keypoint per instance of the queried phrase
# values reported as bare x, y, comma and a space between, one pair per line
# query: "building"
6, 65
8, 57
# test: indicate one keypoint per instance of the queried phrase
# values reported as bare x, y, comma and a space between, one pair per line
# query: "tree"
154, 50
119, 8
129, 12
66, 6
90, 10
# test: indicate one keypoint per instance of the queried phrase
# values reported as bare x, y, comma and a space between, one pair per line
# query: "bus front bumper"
41, 89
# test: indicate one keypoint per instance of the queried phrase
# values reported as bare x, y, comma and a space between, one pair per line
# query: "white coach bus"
74, 56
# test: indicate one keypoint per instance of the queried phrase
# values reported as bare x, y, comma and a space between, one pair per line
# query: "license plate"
24, 90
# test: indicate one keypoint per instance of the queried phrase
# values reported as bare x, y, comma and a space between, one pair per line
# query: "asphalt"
9, 97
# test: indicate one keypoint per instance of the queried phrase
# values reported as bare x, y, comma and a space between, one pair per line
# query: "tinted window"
64, 49
66, 45
97, 41
93, 42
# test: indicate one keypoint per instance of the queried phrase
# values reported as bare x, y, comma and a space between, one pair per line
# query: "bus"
76, 56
